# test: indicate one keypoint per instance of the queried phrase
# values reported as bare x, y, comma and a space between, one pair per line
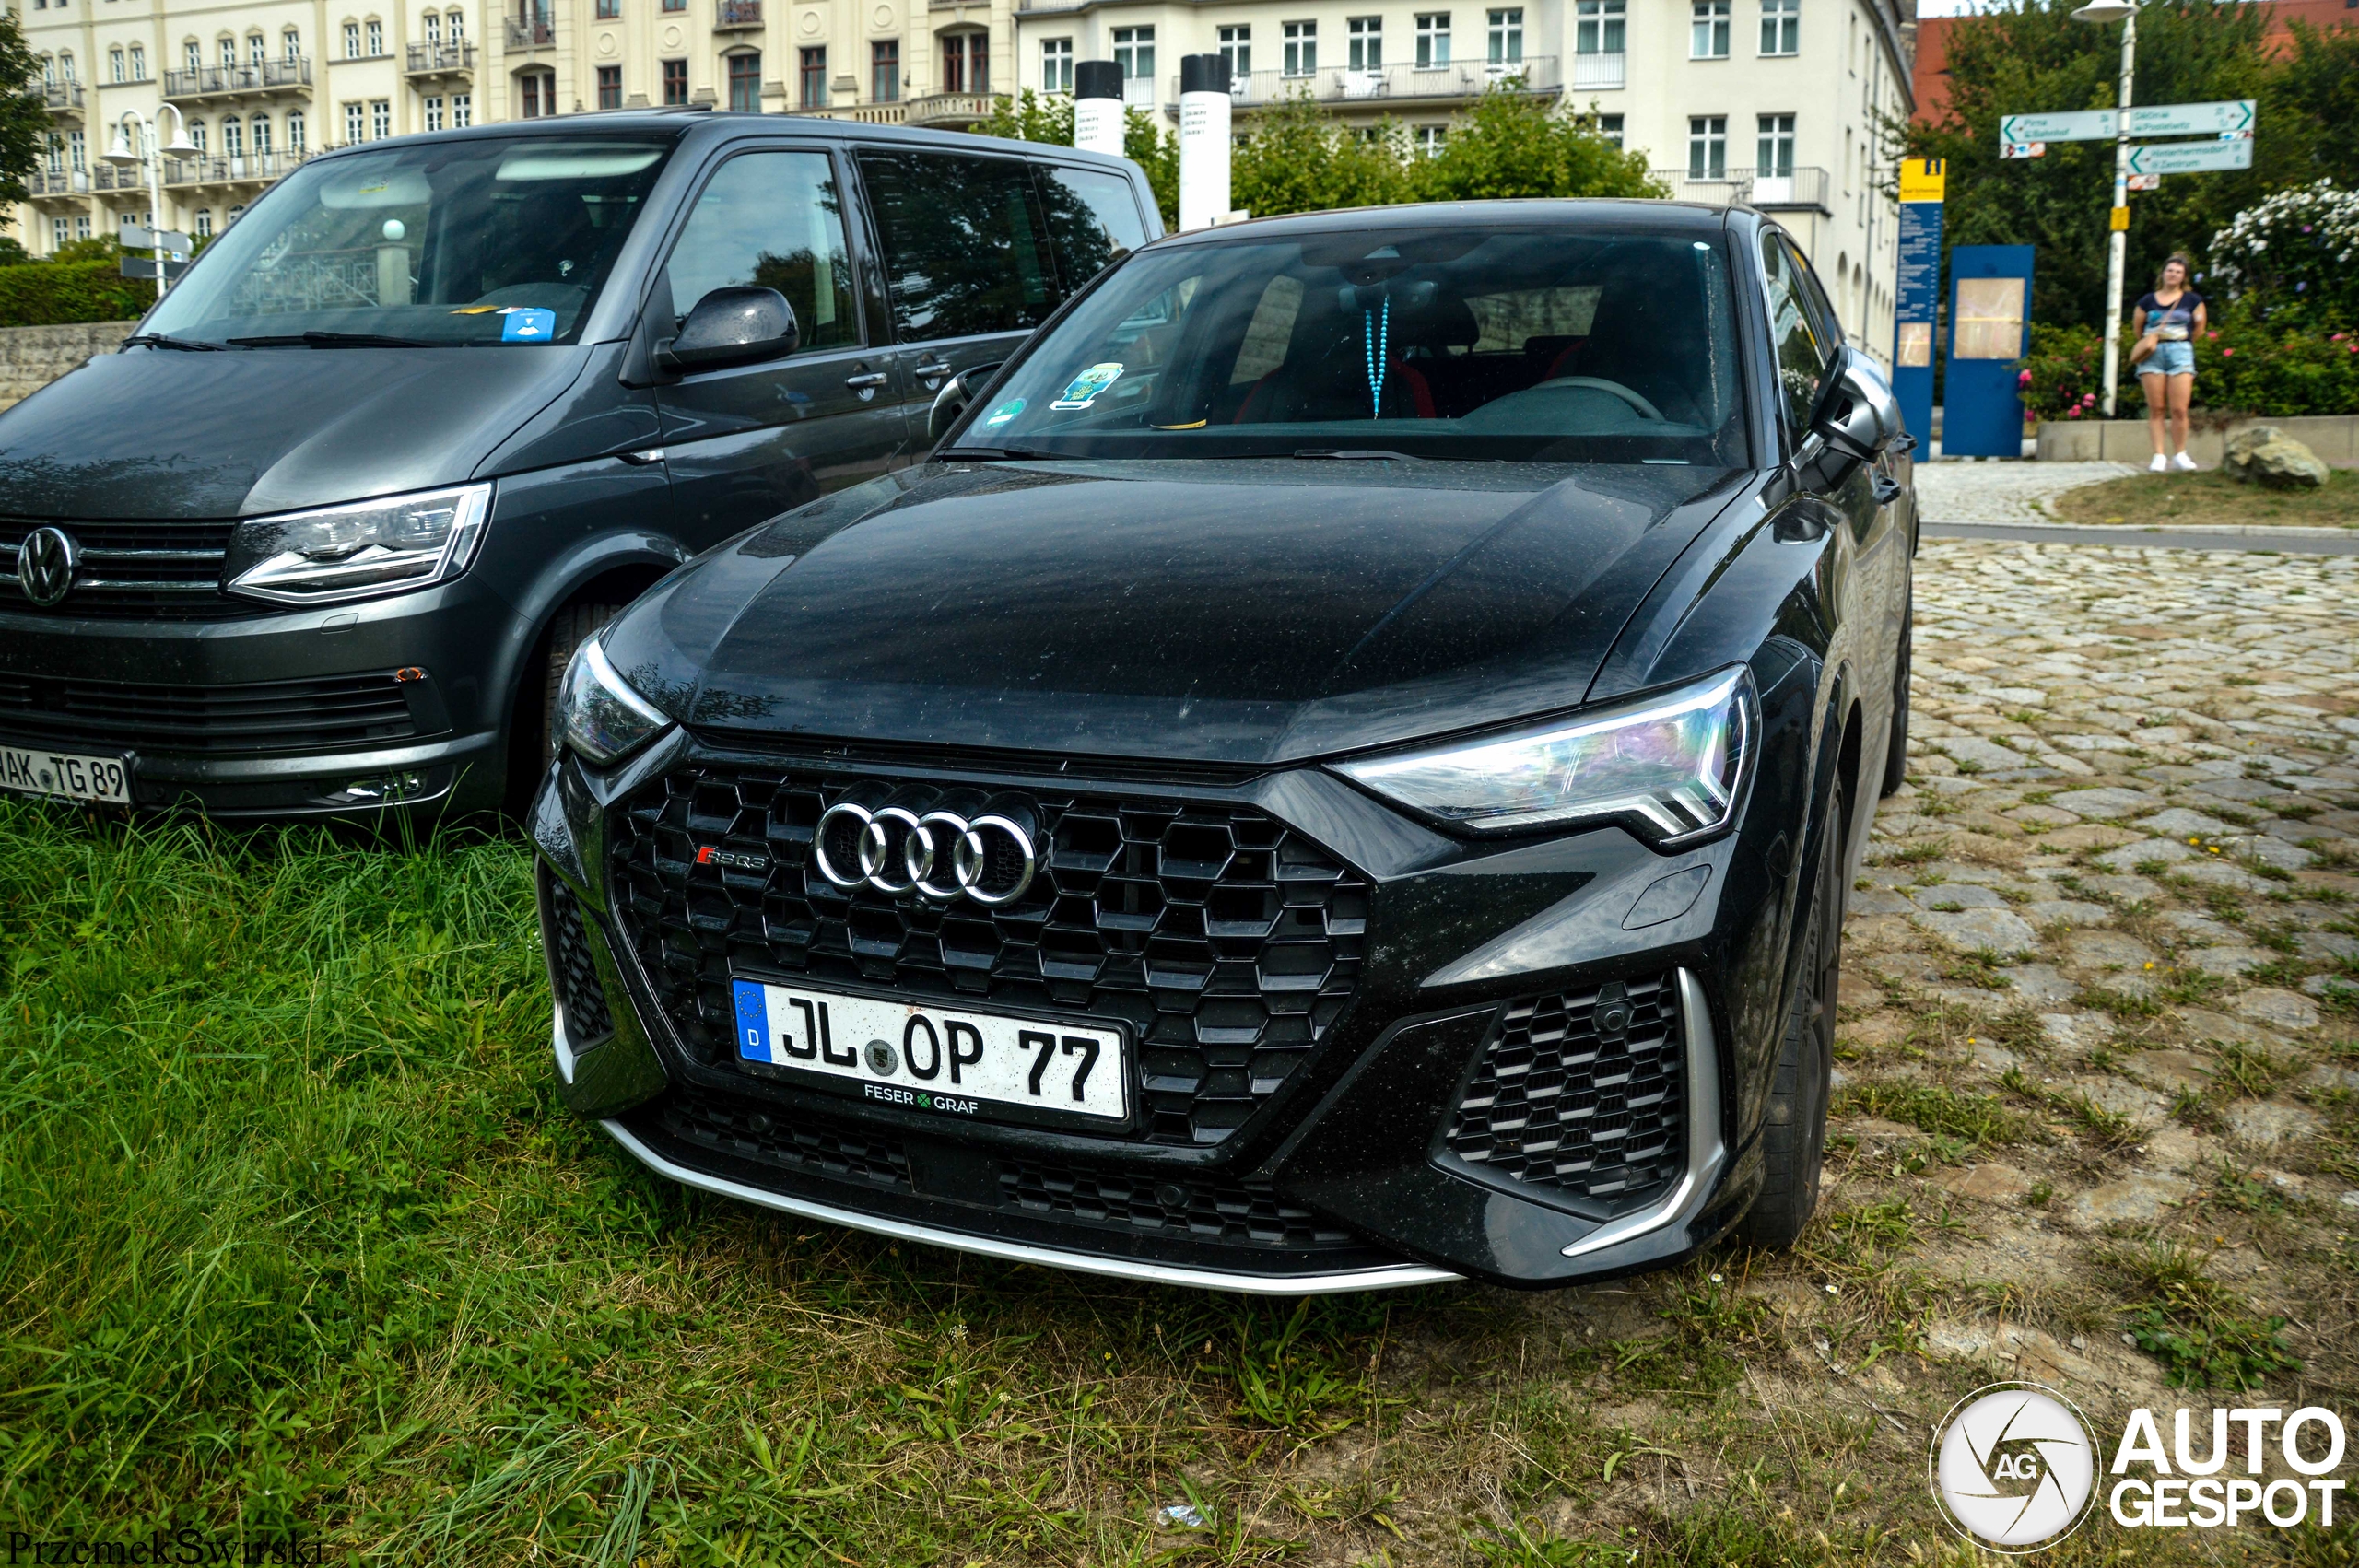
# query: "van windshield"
474, 241
1518, 344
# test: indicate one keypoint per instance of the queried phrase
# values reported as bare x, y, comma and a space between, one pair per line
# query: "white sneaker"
2184, 464
2160, 465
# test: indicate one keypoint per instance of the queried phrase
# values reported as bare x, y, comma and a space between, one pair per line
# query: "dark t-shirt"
2175, 321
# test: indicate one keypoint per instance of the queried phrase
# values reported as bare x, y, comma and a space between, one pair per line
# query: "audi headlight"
598, 714
359, 551
1668, 768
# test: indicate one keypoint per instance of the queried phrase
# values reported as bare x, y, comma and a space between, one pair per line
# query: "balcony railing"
738, 16
58, 183
1802, 190
864, 113
228, 170
538, 33
271, 76
1599, 73
1534, 73
65, 97
440, 59
953, 109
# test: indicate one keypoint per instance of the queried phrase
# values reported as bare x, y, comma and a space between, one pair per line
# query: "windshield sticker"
1005, 412
1089, 384
527, 323
474, 310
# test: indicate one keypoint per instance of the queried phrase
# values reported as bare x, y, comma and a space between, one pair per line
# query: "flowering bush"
2061, 377
2298, 248
2280, 368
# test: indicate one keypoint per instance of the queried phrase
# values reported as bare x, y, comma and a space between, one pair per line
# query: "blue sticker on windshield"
1005, 412
1089, 384
527, 323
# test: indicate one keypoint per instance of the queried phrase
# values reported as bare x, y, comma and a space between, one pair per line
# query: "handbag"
2144, 348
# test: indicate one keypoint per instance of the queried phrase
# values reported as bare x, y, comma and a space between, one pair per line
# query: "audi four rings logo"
940, 846
46, 566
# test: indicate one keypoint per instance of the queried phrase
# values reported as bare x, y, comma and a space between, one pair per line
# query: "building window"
138, 62
192, 56
609, 9
463, 111
885, 70
746, 83
1707, 37
1707, 146
536, 93
257, 51
233, 136
58, 153
1506, 37
433, 33
1610, 127
114, 64
811, 74
1430, 139
228, 52
610, 91
1781, 27
60, 233
676, 81
1774, 156
290, 45
203, 227
1364, 42
356, 123
1237, 48
458, 28
965, 62
258, 130
1056, 65
74, 151
380, 117
376, 40
293, 131
676, 5
1601, 27
433, 107
352, 40
82, 226
65, 65
1134, 52
1432, 41
1302, 48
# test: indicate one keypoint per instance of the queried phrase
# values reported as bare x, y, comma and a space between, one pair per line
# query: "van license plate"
65, 776
935, 1059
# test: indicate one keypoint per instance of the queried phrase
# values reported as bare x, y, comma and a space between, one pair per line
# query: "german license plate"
935, 1059
67, 776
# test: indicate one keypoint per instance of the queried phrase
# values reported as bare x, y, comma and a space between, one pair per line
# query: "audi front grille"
1229, 942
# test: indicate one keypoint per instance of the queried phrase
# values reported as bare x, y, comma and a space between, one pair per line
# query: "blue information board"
1982, 413
1917, 311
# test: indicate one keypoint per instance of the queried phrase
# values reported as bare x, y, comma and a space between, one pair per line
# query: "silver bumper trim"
1046, 1257
1706, 1153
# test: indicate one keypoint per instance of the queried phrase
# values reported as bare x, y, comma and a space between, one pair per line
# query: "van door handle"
932, 367
874, 379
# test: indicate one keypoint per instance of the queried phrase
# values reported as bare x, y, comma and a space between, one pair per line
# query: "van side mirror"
1858, 414
956, 394
737, 325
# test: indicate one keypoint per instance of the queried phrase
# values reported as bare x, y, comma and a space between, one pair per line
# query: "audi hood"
1241, 612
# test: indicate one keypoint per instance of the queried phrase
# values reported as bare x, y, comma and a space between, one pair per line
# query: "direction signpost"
2234, 116
2190, 157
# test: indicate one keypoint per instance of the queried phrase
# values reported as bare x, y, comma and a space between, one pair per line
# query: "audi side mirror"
1858, 414
956, 394
741, 324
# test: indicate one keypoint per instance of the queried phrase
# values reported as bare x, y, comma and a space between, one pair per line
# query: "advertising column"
1204, 140
1097, 107
1923, 180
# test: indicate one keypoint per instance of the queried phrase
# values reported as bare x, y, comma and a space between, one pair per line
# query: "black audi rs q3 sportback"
1339, 770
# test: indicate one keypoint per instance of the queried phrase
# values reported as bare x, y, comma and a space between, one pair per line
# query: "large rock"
2266, 455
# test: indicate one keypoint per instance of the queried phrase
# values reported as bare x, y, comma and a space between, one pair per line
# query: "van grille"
333, 713
132, 571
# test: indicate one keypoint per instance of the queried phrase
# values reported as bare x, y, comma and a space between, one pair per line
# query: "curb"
2120, 530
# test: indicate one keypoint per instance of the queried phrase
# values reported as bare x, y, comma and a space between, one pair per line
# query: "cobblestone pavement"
2114, 910
2002, 492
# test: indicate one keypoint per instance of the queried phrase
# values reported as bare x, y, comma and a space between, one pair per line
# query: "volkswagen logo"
45, 564
940, 846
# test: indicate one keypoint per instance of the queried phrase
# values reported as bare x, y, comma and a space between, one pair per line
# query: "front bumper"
1399, 1149
337, 711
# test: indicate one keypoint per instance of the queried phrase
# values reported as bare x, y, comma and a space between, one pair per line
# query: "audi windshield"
1535, 345
497, 240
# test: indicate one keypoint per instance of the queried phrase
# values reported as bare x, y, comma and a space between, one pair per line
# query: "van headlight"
331, 554
598, 714
1670, 767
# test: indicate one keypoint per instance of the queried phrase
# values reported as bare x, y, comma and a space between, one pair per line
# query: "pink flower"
2226, 352
2024, 380
2073, 412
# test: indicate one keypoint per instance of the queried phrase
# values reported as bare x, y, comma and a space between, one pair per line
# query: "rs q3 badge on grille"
734, 859
46, 566
941, 844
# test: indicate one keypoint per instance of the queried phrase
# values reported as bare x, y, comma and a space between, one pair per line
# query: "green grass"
1984, 1121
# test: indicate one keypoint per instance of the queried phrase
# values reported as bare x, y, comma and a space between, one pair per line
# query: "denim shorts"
2169, 359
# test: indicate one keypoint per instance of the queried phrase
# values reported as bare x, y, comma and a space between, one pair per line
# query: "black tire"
532, 734
571, 627
1793, 1132
1896, 756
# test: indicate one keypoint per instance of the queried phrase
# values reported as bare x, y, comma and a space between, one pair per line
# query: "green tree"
24, 118
1296, 157
1031, 117
1515, 143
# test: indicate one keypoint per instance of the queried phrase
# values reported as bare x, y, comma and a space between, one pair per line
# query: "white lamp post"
124, 155
2118, 248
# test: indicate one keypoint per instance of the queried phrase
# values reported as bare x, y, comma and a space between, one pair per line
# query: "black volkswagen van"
321, 538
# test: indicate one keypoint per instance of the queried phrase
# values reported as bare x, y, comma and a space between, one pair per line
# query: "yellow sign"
2121, 219
1923, 179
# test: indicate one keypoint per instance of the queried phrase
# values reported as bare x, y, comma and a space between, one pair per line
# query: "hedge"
45, 293
2243, 365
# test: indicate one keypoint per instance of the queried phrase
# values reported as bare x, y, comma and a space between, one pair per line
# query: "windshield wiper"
992, 454
336, 340
1358, 454
164, 340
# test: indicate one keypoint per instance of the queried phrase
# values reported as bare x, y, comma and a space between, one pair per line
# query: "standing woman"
2168, 319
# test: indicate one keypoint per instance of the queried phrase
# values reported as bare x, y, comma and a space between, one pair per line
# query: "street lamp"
136, 143
2117, 246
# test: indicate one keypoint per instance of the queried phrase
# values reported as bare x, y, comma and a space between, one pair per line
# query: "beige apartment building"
1771, 101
